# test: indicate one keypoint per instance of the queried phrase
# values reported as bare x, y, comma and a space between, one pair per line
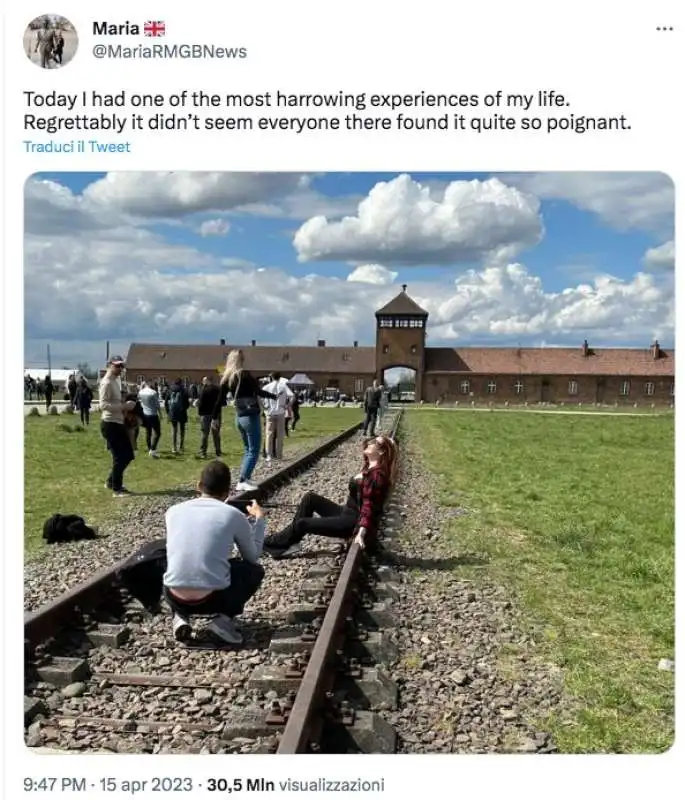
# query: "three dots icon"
664, 27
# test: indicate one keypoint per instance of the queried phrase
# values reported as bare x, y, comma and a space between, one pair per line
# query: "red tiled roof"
176, 358
550, 361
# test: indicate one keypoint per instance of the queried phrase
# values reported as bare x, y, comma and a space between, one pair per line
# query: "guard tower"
401, 337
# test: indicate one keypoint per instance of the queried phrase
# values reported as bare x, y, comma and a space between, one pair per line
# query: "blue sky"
537, 259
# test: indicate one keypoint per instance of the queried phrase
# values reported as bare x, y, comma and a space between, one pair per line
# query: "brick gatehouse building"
517, 375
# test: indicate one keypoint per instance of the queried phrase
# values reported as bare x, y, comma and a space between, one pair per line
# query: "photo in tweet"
348, 462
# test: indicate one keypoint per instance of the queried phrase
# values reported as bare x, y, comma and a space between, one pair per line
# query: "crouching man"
201, 576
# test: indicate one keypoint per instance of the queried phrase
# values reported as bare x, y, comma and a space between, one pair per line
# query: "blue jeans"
250, 429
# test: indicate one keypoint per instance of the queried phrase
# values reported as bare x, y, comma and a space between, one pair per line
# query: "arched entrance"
401, 382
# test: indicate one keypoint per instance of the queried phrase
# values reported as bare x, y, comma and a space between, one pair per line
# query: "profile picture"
50, 41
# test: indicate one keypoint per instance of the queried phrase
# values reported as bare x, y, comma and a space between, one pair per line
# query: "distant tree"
85, 369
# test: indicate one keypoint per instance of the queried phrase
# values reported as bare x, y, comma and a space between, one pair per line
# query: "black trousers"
215, 429
246, 578
178, 434
119, 445
153, 430
85, 416
370, 422
333, 520
291, 424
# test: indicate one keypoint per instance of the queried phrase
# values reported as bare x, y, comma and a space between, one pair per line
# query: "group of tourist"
273, 407
201, 578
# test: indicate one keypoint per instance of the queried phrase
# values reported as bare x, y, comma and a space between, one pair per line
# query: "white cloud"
169, 194
662, 257
372, 273
90, 277
399, 222
625, 200
215, 227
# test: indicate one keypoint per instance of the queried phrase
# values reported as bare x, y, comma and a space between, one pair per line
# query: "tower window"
413, 349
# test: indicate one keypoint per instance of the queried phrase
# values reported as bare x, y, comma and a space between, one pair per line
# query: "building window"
413, 349
285, 357
671, 391
333, 383
573, 387
492, 387
140, 379
416, 323
386, 322
625, 388
161, 379
649, 388
347, 357
386, 349
358, 385
465, 387
518, 387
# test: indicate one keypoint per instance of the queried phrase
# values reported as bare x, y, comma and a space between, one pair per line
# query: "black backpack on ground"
66, 528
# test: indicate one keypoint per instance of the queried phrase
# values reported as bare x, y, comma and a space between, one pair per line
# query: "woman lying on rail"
360, 514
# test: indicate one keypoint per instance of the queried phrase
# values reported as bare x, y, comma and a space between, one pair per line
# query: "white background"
607, 58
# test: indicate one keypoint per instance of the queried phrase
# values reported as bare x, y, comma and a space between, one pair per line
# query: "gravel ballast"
469, 677
152, 650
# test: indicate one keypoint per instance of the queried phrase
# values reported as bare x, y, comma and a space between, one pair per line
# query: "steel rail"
305, 714
45, 622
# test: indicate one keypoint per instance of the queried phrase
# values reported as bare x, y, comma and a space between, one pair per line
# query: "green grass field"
576, 514
65, 469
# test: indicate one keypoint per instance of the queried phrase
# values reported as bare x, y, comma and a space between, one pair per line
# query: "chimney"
321, 343
586, 348
656, 350
356, 344
404, 287
222, 342
253, 342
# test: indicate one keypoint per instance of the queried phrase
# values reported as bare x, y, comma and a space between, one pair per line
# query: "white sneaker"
154, 454
225, 629
268, 459
181, 628
246, 486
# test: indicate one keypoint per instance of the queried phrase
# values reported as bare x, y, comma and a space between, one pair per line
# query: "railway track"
309, 678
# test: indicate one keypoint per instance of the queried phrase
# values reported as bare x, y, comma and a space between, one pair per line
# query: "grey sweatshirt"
201, 534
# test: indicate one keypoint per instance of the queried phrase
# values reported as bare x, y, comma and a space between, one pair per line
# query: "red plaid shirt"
372, 494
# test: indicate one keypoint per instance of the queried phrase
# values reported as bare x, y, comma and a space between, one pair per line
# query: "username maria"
116, 29
326, 785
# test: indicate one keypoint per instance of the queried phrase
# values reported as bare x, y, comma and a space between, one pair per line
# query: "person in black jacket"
177, 409
243, 386
83, 400
372, 404
49, 391
209, 411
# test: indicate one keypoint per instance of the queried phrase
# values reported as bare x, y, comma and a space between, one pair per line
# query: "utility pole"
49, 363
